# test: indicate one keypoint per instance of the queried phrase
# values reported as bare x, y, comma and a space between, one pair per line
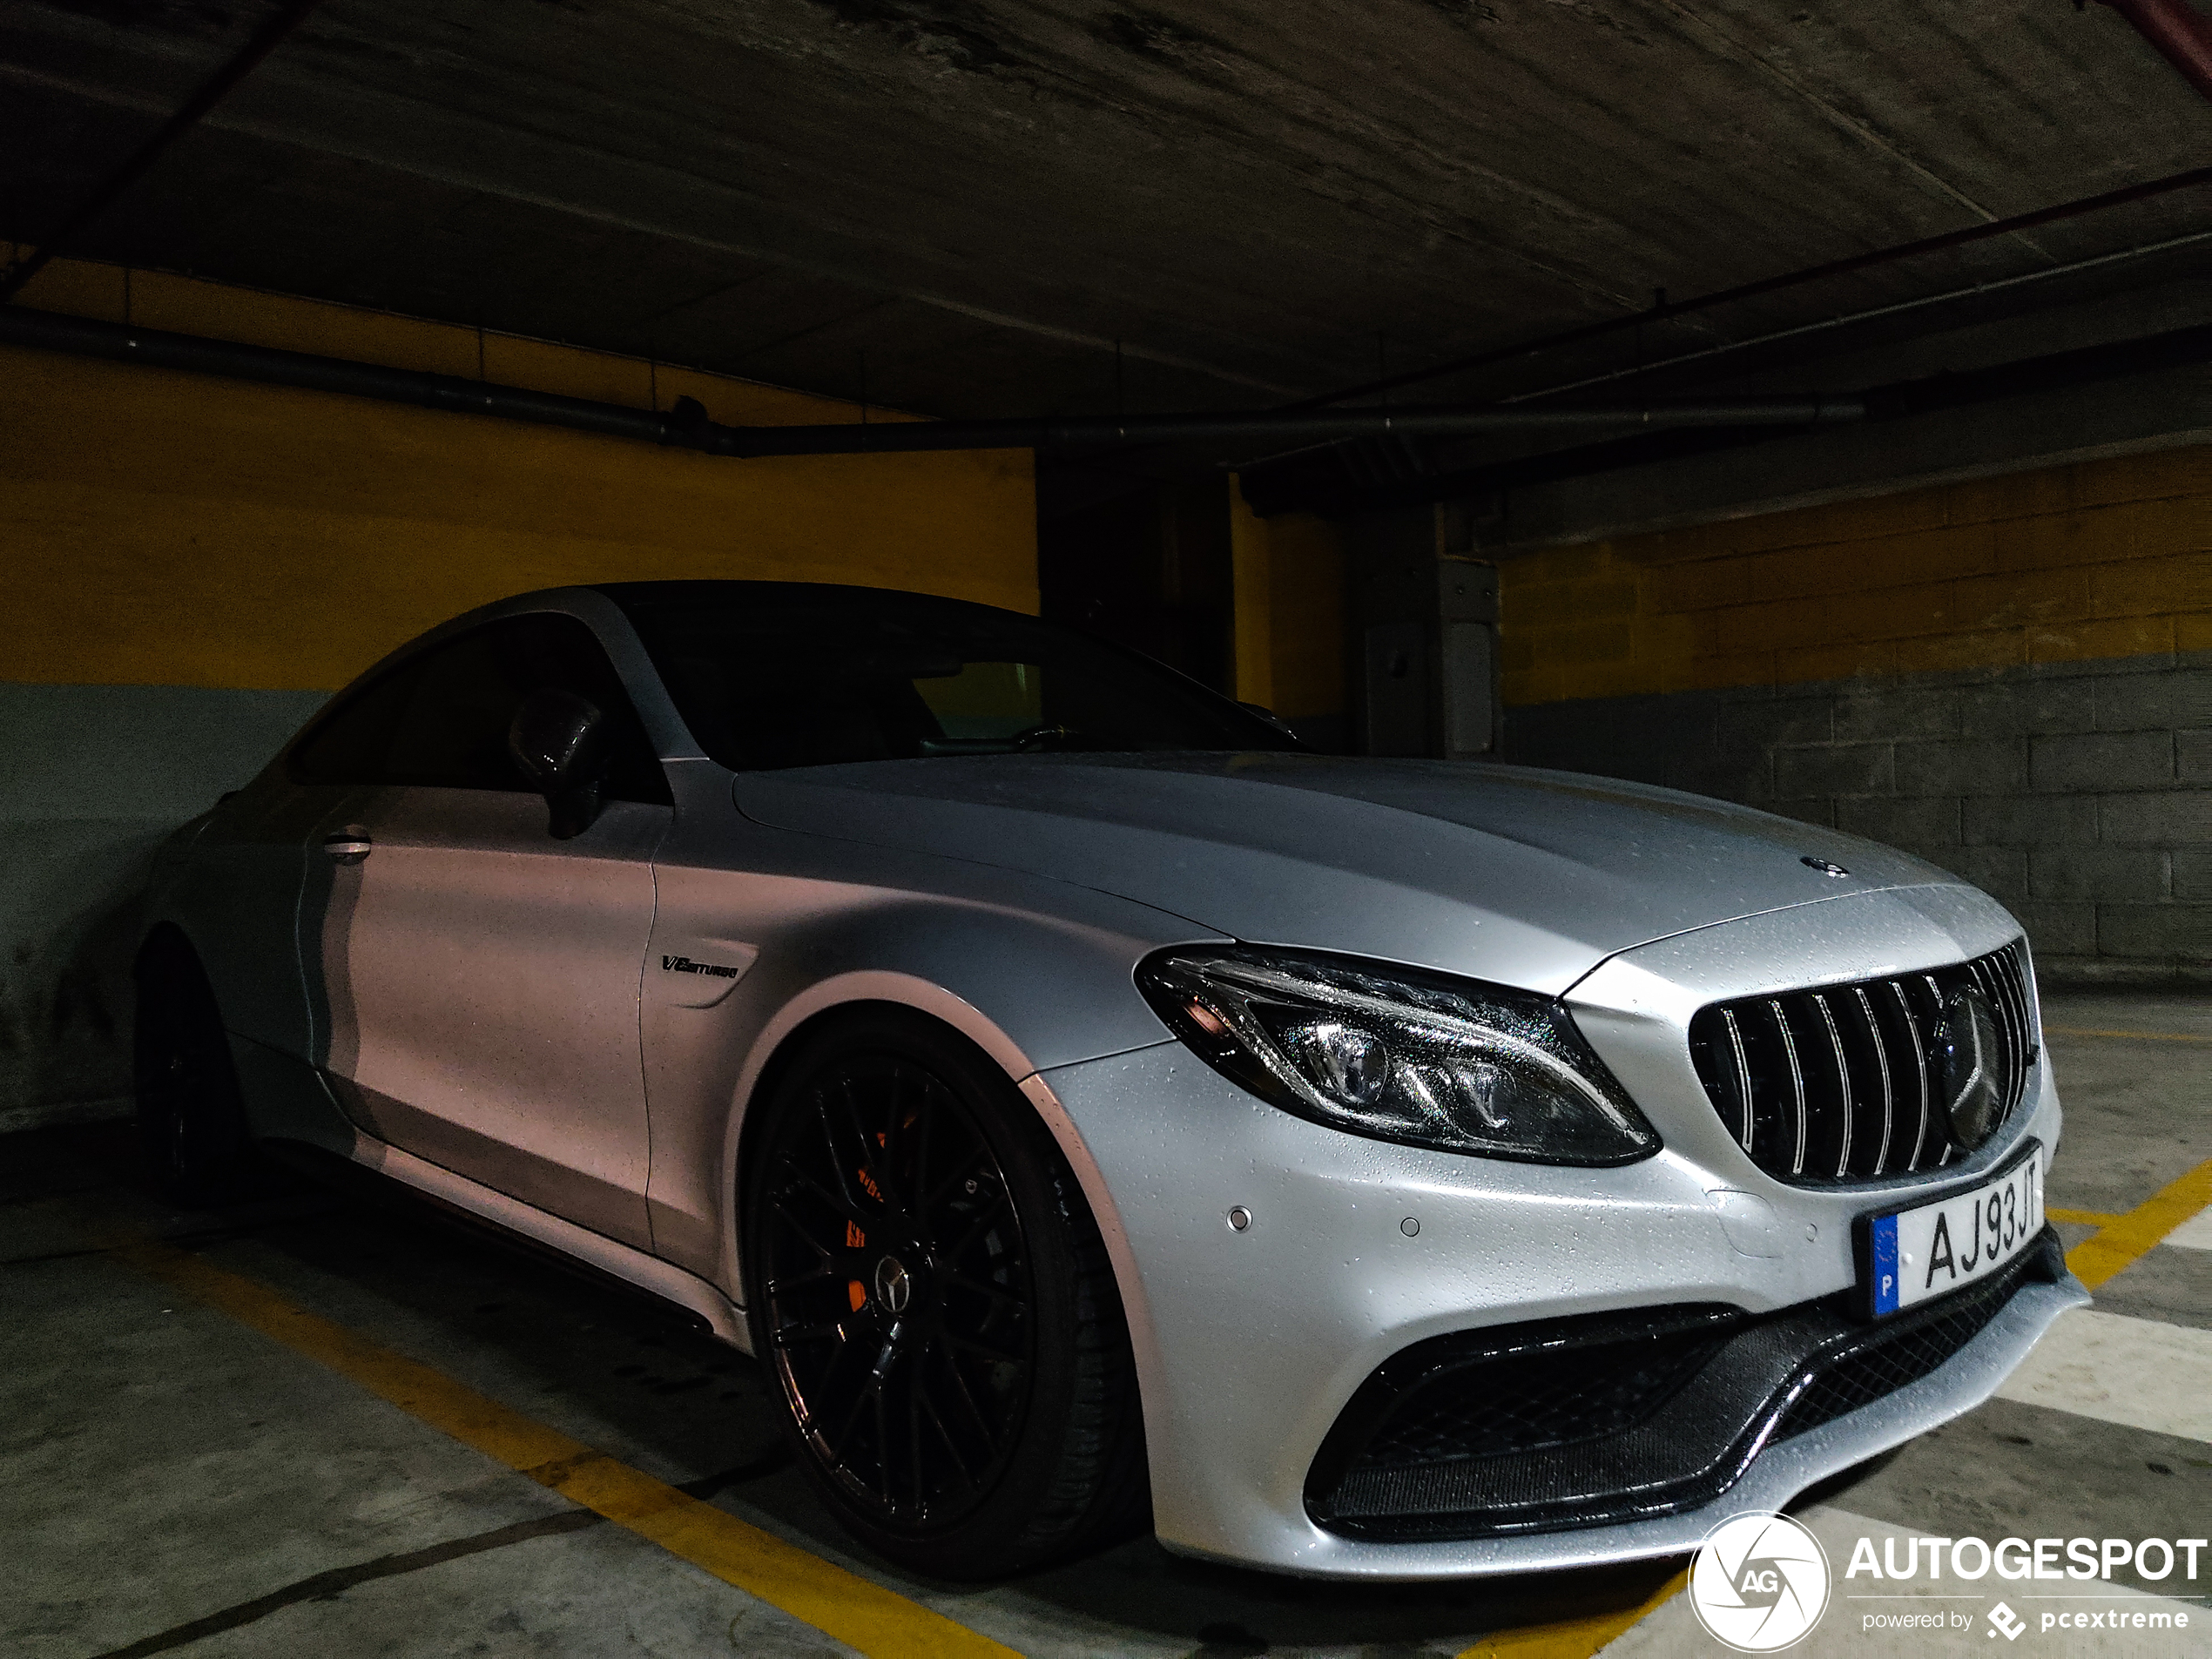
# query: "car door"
478, 978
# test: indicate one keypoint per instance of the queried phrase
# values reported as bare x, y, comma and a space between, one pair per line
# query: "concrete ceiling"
976, 198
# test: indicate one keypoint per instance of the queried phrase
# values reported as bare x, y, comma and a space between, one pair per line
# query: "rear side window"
440, 720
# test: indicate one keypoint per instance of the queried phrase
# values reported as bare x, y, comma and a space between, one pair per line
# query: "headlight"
1399, 1055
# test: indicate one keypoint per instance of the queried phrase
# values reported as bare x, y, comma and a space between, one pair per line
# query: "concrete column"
1424, 636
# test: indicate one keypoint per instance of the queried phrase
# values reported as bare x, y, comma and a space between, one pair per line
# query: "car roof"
633, 595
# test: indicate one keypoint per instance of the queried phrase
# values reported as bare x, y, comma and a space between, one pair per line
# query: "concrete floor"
174, 1481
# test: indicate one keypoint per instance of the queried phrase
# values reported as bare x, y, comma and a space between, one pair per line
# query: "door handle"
348, 845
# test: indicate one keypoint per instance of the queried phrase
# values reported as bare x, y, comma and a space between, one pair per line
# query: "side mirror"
563, 744
1271, 718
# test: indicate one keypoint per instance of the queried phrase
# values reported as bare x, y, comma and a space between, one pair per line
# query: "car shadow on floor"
640, 1382
1228, 1610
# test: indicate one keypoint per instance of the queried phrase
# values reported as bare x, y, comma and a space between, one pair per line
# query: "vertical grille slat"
2005, 969
1915, 1042
1843, 1082
1946, 1143
1796, 1088
2002, 971
1985, 976
1882, 1073
1740, 1073
1844, 1112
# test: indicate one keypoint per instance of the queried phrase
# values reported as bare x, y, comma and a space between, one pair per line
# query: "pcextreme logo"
1759, 1583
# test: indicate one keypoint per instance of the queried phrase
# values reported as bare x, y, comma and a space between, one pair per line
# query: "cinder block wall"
192, 564
2011, 678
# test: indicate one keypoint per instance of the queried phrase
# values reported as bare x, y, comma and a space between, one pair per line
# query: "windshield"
770, 675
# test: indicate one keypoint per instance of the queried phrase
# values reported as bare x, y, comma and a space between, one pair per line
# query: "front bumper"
1562, 1426
1251, 1342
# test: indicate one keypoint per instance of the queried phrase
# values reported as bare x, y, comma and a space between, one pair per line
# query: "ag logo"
1760, 1581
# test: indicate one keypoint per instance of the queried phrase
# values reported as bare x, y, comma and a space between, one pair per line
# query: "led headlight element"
1399, 1056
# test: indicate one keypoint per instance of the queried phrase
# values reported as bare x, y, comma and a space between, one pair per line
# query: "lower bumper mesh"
1613, 1418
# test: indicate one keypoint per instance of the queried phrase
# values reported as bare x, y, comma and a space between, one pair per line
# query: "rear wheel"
191, 1117
931, 1293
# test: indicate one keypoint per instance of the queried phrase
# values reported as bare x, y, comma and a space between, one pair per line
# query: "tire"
937, 1308
191, 1118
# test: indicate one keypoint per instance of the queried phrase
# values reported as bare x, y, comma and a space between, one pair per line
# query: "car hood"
1508, 874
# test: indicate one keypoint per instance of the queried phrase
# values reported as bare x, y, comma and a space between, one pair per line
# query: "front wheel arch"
1111, 1498
847, 996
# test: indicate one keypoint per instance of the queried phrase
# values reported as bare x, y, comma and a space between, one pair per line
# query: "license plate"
1915, 1255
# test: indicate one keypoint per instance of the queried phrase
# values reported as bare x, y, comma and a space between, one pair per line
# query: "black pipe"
1857, 262
119, 342
264, 41
1321, 484
687, 427
1265, 427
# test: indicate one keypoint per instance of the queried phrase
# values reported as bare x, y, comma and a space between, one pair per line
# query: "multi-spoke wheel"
190, 1115
930, 1290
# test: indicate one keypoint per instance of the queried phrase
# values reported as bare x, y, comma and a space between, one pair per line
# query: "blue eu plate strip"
1885, 1264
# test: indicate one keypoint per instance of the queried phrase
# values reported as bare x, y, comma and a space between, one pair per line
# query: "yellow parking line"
841, 1605
1573, 1638
2119, 1241
2148, 1036
2080, 1217
2117, 1246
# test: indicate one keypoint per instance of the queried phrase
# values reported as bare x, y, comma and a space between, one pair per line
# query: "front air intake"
1873, 1079
1601, 1418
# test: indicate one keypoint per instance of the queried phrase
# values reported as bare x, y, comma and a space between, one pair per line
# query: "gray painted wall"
2079, 794
92, 779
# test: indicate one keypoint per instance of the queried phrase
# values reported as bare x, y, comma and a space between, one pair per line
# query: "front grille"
1843, 1082
1612, 1417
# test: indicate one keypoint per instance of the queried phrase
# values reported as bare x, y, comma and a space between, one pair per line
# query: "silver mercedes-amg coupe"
1081, 1099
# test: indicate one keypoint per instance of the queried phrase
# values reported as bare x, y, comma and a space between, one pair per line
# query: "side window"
452, 731
987, 700
442, 721
349, 745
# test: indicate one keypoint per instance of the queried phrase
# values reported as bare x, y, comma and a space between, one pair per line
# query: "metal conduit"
2196, 178
1825, 325
686, 425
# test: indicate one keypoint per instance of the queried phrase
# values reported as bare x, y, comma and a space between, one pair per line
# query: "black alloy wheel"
931, 1293
900, 1293
191, 1117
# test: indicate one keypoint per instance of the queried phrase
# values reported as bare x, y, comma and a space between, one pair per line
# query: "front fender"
1036, 974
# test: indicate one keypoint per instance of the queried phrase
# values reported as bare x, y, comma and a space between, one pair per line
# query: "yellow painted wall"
1288, 625
2102, 559
168, 528
1252, 564
1305, 612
